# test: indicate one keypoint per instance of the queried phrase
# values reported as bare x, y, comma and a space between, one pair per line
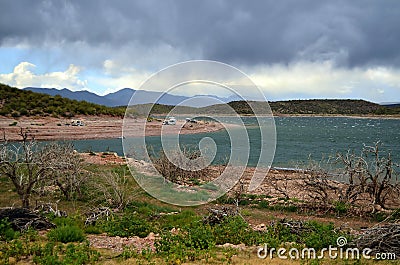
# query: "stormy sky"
290, 49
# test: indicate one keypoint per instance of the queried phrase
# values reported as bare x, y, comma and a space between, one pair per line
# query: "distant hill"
290, 107
325, 106
317, 107
16, 102
391, 105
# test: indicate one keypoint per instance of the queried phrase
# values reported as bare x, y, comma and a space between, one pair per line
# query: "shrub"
95, 230
195, 236
319, 235
128, 253
6, 231
179, 220
263, 204
341, 207
66, 234
233, 230
127, 225
53, 254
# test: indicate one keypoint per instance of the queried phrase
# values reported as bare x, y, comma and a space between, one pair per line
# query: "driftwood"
296, 227
381, 239
22, 219
47, 208
217, 216
99, 213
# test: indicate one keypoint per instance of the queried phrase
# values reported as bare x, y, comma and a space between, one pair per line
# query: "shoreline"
356, 116
106, 127
386, 117
102, 127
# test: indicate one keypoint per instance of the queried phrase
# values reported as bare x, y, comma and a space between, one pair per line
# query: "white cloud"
117, 76
301, 79
24, 76
323, 80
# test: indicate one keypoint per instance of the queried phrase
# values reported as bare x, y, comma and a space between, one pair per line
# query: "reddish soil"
103, 158
96, 127
119, 243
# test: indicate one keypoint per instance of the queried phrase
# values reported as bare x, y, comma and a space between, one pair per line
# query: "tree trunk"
25, 198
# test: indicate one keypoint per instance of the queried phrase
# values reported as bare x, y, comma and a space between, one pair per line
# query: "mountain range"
142, 97
123, 96
26, 102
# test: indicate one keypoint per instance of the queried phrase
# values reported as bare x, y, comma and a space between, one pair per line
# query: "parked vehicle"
191, 120
77, 123
169, 121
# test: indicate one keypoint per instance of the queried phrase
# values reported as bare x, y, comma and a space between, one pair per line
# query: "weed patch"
66, 234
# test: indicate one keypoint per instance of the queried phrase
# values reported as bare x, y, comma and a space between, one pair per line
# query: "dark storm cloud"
351, 33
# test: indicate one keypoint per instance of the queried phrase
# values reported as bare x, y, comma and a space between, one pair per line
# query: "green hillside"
16, 102
316, 107
326, 106
290, 107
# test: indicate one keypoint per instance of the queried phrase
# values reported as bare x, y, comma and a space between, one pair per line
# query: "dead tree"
381, 175
318, 184
182, 170
372, 173
70, 177
354, 176
28, 164
281, 185
115, 189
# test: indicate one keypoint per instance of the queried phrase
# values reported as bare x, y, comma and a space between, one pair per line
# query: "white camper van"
169, 121
172, 121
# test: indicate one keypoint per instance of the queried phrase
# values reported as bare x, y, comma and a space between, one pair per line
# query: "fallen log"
22, 219
381, 239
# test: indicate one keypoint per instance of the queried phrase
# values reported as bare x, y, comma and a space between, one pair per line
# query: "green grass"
66, 234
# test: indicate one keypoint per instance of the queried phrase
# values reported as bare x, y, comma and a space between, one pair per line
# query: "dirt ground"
101, 127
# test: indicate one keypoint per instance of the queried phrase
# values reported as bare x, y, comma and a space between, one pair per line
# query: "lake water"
297, 139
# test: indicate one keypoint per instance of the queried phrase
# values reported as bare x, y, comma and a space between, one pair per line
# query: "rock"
175, 231
260, 227
229, 245
151, 236
218, 215
12, 260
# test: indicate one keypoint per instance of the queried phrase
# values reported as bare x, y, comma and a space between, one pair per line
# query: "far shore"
340, 116
106, 127
95, 127
356, 116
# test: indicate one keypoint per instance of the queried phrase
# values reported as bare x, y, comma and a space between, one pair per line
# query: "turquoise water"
297, 139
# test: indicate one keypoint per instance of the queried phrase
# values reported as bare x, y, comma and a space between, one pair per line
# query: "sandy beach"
49, 128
